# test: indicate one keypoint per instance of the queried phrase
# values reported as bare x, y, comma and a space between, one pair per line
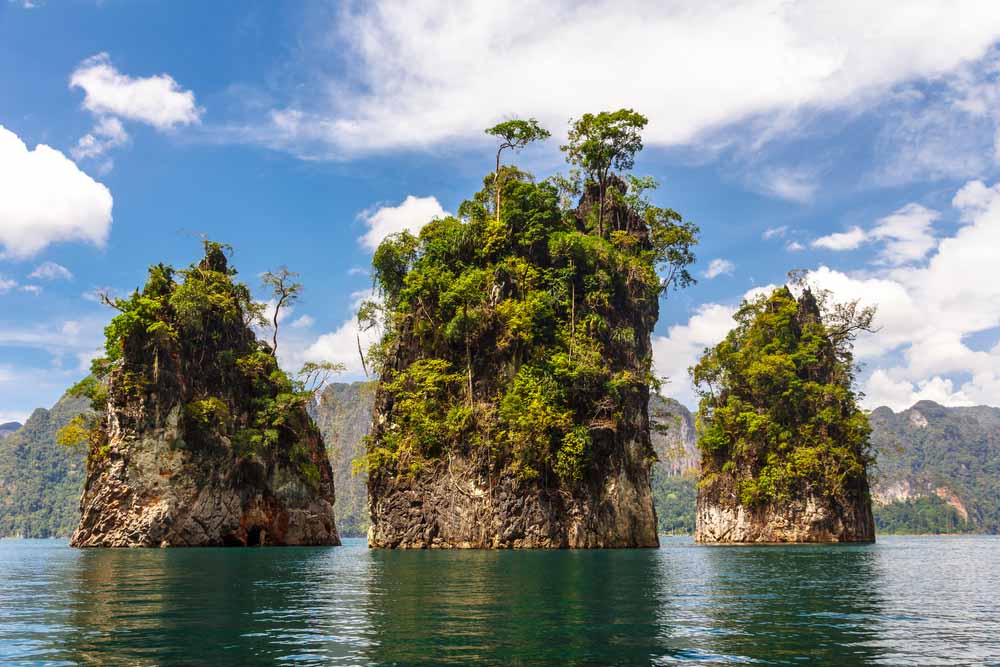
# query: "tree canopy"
599, 143
514, 135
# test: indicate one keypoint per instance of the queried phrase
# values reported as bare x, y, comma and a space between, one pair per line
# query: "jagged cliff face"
533, 431
673, 437
784, 444
203, 440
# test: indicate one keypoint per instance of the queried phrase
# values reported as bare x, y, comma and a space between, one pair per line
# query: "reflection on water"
821, 603
901, 601
514, 607
197, 606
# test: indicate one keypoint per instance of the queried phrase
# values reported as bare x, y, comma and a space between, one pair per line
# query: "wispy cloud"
51, 271
719, 267
793, 185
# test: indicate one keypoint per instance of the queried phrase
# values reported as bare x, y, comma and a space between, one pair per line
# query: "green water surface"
900, 601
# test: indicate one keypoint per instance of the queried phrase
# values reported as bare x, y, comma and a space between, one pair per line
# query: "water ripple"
902, 601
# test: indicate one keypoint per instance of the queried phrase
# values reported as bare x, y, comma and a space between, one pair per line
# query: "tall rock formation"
512, 411
784, 444
343, 414
673, 435
201, 440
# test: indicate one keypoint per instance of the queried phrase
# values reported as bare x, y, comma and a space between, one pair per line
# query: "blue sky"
859, 143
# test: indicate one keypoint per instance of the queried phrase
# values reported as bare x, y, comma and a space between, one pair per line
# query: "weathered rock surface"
203, 441
810, 518
454, 505
154, 491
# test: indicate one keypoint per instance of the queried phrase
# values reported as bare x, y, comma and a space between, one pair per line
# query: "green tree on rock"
778, 416
598, 143
520, 334
514, 134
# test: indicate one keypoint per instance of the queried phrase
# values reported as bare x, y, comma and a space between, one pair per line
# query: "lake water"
904, 600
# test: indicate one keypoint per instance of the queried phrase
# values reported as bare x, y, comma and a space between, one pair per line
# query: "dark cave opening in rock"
231, 540
255, 536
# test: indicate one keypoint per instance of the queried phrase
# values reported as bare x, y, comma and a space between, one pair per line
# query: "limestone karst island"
513, 375
591, 333
196, 437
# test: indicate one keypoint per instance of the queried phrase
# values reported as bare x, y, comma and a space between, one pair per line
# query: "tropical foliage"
778, 414
187, 336
518, 331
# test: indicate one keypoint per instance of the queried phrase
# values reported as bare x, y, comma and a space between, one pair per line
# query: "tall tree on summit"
602, 142
514, 134
286, 292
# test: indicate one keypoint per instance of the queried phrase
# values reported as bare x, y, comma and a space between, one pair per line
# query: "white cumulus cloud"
907, 234
412, 214
849, 240
45, 198
341, 346
412, 83
674, 353
157, 100
930, 306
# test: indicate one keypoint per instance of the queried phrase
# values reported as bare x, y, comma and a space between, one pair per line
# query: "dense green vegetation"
187, 336
932, 447
919, 516
518, 325
674, 499
40, 481
777, 411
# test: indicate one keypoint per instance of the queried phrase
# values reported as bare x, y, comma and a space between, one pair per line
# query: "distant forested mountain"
675, 472
938, 468
40, 481
8, 429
